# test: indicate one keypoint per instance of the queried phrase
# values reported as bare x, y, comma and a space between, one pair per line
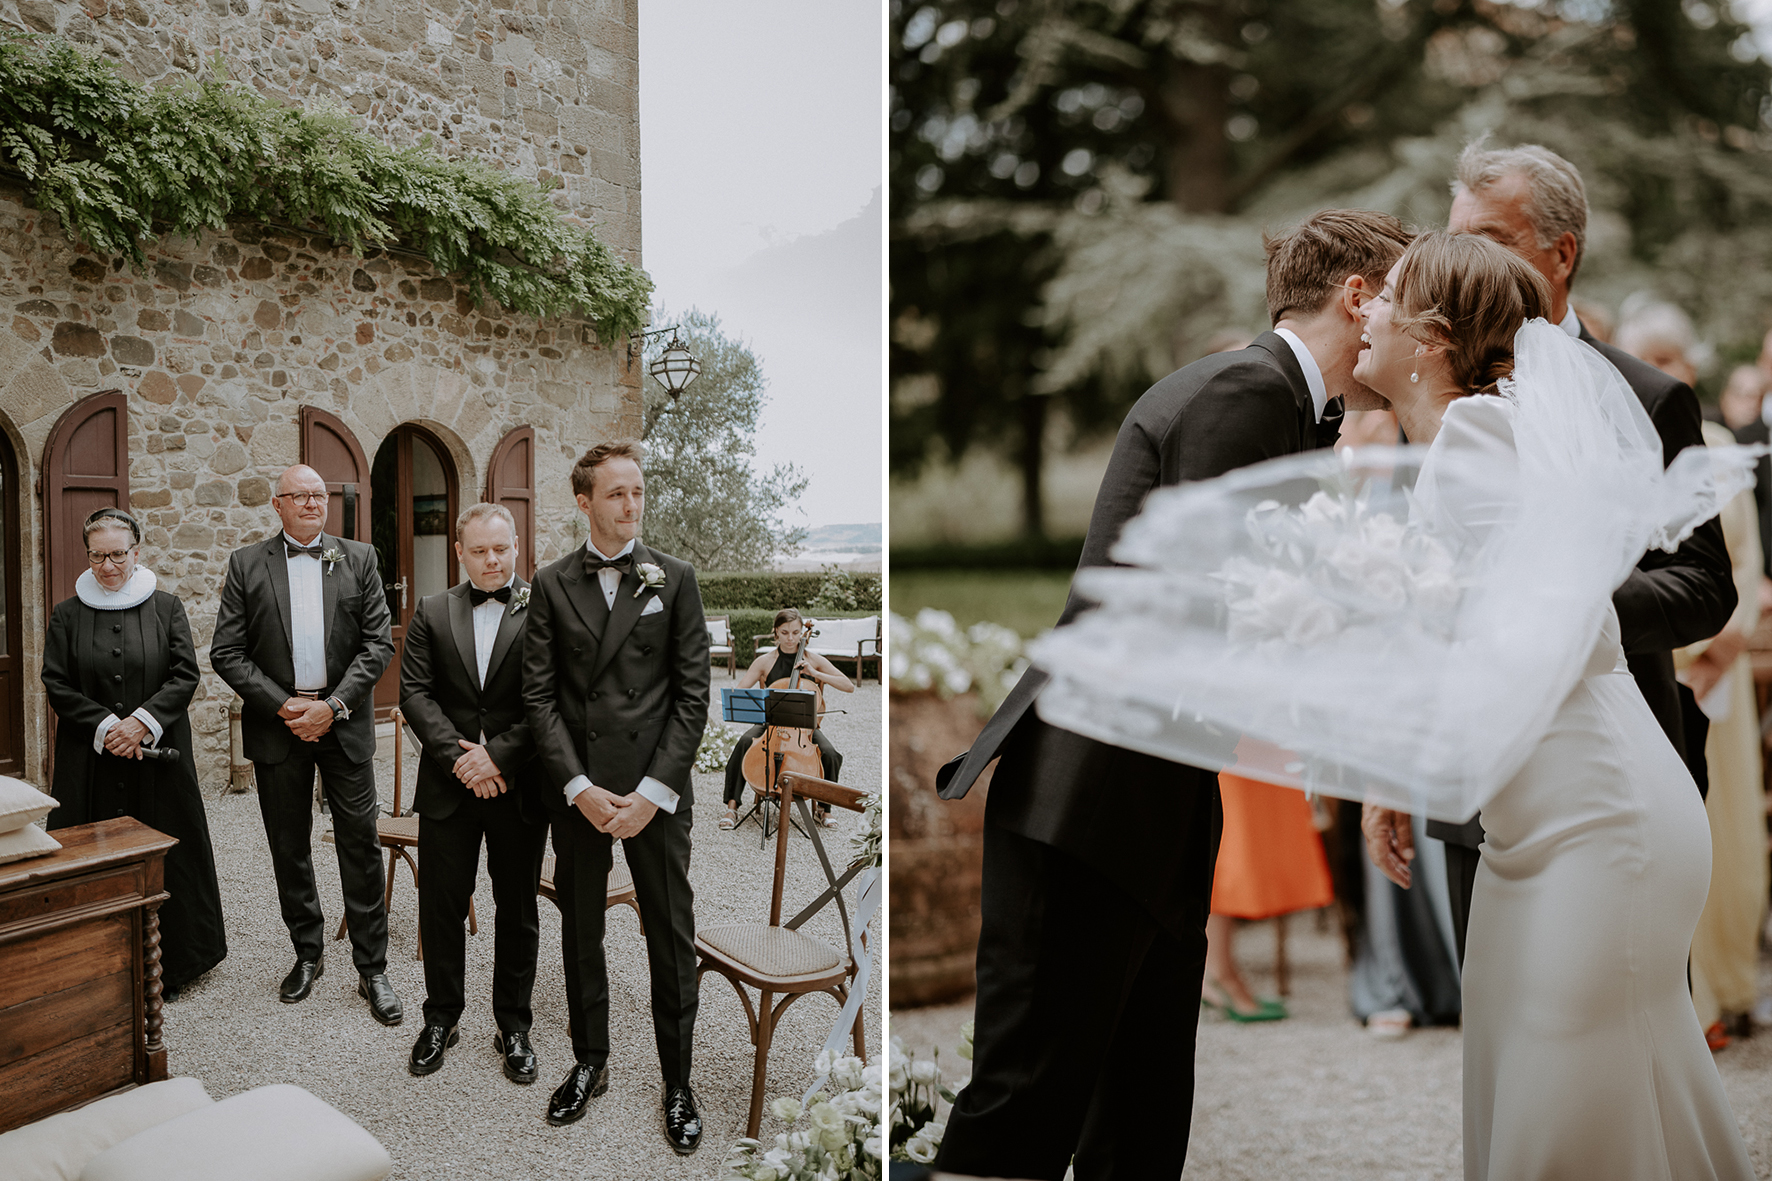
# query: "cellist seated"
775, 670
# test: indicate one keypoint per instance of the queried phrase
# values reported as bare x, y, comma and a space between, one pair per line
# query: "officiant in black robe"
120, 669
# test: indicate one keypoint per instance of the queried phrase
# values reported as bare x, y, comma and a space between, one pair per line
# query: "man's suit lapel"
328, 590
461, 626
508, 627
277, 570
586, 596
1276, 347
624, 614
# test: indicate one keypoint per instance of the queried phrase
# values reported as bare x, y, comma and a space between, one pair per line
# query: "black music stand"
777, 709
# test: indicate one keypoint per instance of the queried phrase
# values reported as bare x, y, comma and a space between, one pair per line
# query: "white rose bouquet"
830, 1138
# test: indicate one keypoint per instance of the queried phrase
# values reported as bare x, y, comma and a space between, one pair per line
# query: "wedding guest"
1725, 947
119, 668
461, 689
302, 636
1743, 407
1661, 335
769, 669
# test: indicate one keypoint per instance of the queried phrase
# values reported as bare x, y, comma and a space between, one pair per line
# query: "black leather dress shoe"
583, 1083
519, 1058
427, 1052
300, 982
384, 1004
682, 1121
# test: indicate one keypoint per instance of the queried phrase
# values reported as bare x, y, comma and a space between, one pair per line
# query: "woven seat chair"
776, 958
399, 836
620, 891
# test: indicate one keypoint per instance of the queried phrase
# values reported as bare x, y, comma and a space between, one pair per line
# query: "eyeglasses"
116, 558
304, 497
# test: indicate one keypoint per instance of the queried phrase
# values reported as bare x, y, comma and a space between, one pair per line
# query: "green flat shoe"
1265, 1010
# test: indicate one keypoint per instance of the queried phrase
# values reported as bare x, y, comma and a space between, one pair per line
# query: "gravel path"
466, 1121
1315, 1098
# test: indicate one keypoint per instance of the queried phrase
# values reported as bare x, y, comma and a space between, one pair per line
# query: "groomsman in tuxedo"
461, 689
302, 636
1098, 860
1532, 201
615, 678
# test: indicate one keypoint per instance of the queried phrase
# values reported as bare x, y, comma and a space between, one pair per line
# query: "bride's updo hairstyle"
1469, 295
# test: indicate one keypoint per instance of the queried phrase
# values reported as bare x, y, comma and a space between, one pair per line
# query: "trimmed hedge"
1023, 553
773, 590
750, 621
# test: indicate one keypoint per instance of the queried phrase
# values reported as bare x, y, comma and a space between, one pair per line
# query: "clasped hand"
1390, 841
477, 770
307, 719
619, 816
124, 739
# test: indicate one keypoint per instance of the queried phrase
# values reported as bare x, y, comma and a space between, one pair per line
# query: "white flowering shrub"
934, 652
716, 746
830, 1138
917, 1094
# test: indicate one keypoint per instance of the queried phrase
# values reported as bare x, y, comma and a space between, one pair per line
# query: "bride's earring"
1414, 377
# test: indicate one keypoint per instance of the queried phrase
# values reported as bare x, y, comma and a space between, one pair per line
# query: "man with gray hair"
1532, 201
461, 689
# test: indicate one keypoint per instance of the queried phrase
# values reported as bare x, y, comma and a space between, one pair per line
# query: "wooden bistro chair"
621, 887
776, 958
399, 836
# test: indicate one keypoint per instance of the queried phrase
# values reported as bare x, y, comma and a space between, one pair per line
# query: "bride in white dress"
1448, 648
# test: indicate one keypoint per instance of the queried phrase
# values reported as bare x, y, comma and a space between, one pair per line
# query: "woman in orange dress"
1270, 863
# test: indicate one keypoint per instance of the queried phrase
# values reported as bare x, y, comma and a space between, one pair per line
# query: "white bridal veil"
1395, 624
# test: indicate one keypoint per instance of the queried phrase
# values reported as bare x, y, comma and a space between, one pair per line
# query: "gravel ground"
466, 1121
1315, 1098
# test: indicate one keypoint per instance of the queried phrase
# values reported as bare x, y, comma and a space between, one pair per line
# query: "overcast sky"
761, 143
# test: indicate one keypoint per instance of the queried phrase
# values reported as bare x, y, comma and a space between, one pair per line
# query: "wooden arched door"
414, 488
329, 447
12, 696
510, 481
85, 468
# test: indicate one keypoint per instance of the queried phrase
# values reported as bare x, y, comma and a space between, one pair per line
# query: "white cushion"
717, 631
58, 1147
29, 841
275, 1133
22, 804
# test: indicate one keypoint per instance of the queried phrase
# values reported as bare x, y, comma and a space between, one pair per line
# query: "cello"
786, 748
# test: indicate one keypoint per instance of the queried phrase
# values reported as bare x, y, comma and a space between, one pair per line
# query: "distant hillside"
843, 537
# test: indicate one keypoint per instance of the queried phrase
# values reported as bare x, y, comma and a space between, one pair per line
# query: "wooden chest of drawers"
80, 969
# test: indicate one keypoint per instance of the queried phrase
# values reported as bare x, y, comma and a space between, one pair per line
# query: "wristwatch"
338, 709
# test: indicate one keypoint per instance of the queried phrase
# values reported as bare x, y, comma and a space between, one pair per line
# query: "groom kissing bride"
1540, 485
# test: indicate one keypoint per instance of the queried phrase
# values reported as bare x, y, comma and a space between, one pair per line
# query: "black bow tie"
476, 596
292, 550
1329, 426
593, 563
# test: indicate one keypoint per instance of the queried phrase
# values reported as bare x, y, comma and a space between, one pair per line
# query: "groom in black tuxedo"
1098, 860
302, 636
1532, 201
461, 689
615, 681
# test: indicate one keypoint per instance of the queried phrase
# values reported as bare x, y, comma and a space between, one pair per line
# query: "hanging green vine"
119, 163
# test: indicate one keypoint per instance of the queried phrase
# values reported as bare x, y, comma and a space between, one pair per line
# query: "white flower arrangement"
519, 600
716, 746
916, 1094
865, 846
652, 576
332, 557
932, 652
830, 1138
1329, 565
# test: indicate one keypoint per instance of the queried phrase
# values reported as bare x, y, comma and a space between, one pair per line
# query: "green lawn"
1027, 600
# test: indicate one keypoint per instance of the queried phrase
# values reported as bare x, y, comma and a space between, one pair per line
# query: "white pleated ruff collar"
133, 593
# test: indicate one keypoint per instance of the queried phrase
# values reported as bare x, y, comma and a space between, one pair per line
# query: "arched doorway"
12, 696
412, 520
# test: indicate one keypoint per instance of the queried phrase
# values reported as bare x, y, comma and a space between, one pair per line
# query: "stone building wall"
222, 340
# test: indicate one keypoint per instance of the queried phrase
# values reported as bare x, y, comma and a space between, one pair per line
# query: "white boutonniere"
332, 557
520, 600
650, 576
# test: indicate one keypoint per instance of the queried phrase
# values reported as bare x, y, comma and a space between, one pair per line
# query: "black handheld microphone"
164, 754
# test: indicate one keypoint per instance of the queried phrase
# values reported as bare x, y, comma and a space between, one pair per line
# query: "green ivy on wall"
120, 163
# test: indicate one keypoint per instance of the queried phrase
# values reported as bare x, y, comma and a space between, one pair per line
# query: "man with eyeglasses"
303, 636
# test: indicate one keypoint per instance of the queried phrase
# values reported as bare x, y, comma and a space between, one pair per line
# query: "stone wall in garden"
222, 340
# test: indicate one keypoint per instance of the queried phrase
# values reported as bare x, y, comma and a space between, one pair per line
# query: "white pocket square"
653, 606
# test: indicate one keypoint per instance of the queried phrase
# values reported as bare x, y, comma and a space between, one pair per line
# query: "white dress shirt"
652, 789
487, 617
307, 619
1313, 376
1571, 323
